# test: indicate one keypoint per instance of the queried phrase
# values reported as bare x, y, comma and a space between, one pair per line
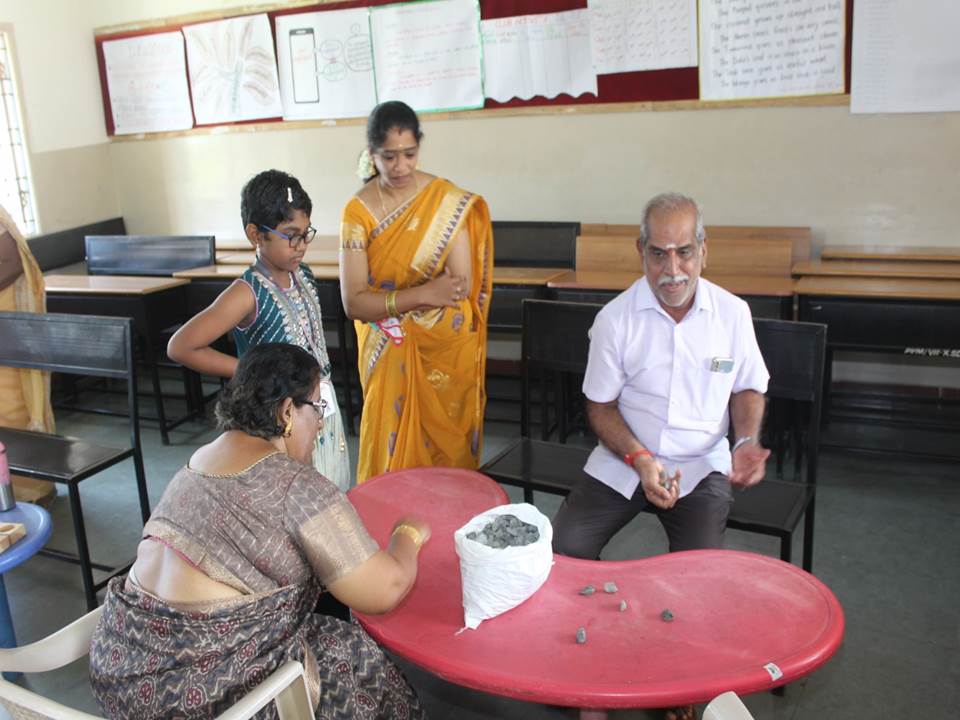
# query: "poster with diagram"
326, 64
428, 55
233, 73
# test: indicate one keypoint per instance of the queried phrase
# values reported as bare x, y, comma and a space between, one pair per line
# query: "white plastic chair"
286, 686
726, 707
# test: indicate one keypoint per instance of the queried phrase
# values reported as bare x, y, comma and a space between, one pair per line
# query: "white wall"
889, 179
854, 179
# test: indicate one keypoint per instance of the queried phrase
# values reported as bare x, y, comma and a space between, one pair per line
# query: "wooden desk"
241, 244
903, 316
735, 613
311, 257
109, 285
891, 252
153, 303
230, 272
525, 275
920, 270
768, 296
883, 314
895, 289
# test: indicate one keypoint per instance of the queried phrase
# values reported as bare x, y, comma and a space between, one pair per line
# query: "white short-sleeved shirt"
660, 372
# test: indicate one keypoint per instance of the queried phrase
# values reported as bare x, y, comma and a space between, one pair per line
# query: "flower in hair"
365, 166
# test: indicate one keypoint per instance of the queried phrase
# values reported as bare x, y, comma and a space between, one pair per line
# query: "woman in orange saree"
416, 276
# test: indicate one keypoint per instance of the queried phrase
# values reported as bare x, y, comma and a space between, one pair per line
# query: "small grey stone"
623, 605
666, 616
588, 590
610, 587
581, 636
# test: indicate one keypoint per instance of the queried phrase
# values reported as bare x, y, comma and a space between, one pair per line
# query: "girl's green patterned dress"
292, 315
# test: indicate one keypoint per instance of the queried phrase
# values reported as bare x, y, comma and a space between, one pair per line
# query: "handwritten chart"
629, 35
427, 54
233, 74
906, 57
326, 64
147, 83
538, 55
771, 48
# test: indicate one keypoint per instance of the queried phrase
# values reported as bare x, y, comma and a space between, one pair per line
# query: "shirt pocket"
712, 390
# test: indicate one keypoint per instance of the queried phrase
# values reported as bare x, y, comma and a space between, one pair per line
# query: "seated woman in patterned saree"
416, 268
232, 561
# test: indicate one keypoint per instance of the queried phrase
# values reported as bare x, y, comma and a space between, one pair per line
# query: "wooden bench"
732, 249
78, 345
158, 255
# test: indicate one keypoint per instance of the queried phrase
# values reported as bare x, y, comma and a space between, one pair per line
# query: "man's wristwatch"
741, 441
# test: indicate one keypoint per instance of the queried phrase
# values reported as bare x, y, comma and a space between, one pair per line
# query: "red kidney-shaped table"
741, 621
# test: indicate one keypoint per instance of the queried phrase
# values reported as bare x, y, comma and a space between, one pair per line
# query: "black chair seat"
771, 506
55, 457
538, 465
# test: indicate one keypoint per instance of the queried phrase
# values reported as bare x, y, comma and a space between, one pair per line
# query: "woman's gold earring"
288, 428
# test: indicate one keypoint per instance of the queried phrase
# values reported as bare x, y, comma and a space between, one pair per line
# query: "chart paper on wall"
326, 64
546, 55
147, 83
233, 73
906, 56
428, 54
771, 48
630, 35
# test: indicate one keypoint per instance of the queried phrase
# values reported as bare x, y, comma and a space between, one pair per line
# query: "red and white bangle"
629, 458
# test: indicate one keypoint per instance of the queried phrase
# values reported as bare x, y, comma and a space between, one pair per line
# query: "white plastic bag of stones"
497, 580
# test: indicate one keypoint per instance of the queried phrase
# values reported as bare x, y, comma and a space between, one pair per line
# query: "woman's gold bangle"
411, 532
391, 304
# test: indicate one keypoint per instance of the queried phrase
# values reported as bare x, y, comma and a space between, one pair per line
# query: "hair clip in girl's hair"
289, 195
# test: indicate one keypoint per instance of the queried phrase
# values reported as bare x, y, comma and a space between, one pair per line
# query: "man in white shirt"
668, 357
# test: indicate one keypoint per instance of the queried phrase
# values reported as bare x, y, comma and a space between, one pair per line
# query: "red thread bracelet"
630, 457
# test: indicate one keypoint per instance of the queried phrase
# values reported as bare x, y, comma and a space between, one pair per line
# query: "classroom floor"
887, 544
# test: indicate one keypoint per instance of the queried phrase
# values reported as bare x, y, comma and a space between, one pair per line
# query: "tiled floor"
888, 544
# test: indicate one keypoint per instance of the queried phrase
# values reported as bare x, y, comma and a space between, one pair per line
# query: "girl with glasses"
275, 300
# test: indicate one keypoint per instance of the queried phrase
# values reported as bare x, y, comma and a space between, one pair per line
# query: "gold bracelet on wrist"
411, 532
391, 304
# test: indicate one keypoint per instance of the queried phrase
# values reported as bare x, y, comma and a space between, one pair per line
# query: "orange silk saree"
424, 396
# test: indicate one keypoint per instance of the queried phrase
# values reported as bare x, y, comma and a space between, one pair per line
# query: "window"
15, 194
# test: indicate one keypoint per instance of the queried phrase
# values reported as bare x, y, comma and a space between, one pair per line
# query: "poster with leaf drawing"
233, 72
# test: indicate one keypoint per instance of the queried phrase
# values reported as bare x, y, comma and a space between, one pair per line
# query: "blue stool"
36, 521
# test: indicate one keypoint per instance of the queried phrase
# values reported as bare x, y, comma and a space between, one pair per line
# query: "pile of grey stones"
506, 531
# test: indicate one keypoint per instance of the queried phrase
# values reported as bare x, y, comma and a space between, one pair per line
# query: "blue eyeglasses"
295, 240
